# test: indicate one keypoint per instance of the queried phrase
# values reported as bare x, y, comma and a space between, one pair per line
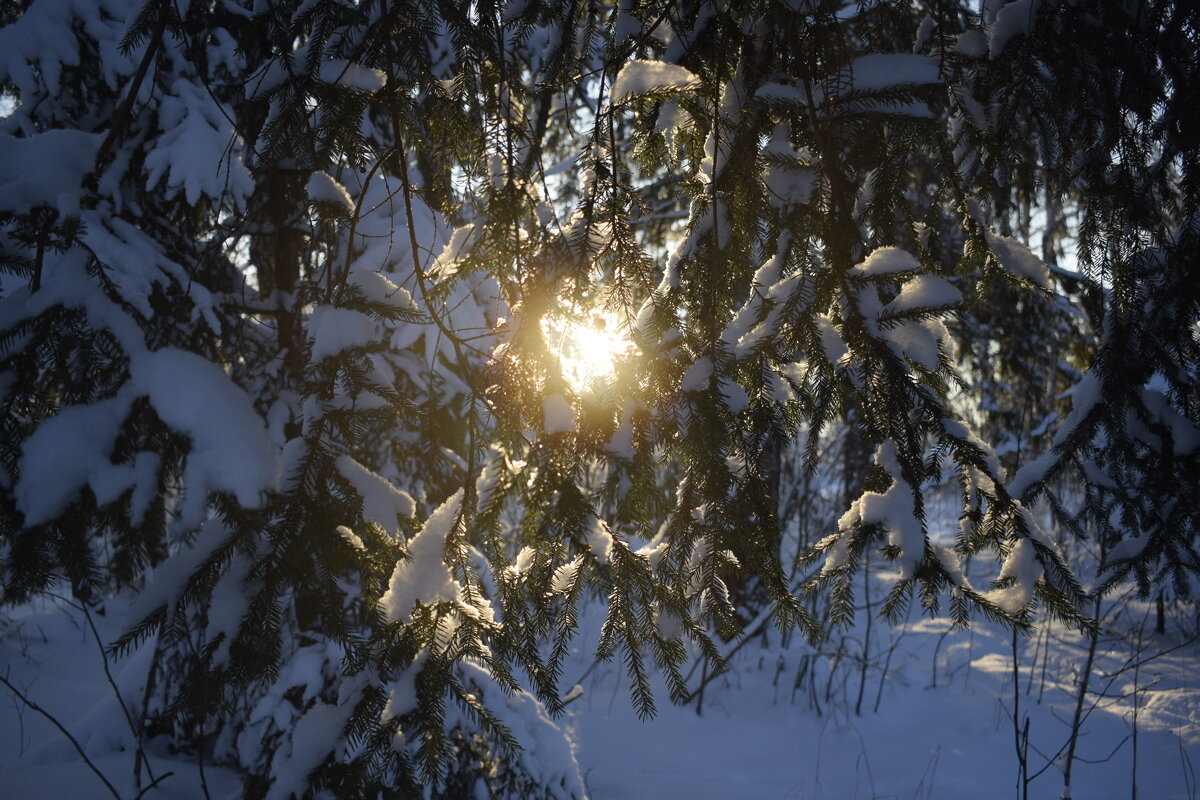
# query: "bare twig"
1137, 697
866, 645
1020, 732
1077, 719
79, 749
133, 727
150, 786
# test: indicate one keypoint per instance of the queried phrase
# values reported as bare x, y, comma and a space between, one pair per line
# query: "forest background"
370, 370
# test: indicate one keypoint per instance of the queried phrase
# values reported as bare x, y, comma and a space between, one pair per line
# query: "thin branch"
122, 115
20, 696
133, 728
157, 781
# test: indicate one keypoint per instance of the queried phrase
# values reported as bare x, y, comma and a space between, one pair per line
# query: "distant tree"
283, 283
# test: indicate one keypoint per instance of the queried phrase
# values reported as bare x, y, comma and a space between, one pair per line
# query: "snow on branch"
644, 76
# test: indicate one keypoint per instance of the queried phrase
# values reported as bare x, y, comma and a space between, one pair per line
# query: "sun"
589, 348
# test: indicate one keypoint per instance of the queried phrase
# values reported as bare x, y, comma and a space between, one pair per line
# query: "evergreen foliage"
281, 282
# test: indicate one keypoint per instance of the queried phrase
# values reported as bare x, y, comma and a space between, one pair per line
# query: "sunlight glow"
588, 348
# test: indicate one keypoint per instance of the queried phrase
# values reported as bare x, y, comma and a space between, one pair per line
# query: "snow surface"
489, 475
831, 341
47, 651
923, 30
1019, 259
68, 452
943, 727
557, 416
751, 328
788, 184
734, 395
231, 449
37, 45
885, 261
916, 340
166, 582
324, 188
47, 168
381, 502
1185, 437
455, 250
230, 603
1022, 568
549, 754
193, 154
919, 339
378, 288
880, 81
315, 735
893, 511
423, 575
620, 444
1129, 548
780, 93
698, 375
924, 291
136, 263
880, 71
1032, 473
353, 76
972, 42
600, 539
334, 330
781, 724
641, 76
1085, 396
1012, 20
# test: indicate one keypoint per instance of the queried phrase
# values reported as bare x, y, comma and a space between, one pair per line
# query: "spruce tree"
282, 282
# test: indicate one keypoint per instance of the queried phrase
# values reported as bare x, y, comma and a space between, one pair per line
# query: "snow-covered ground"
774, 728
781, 724
49, 653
